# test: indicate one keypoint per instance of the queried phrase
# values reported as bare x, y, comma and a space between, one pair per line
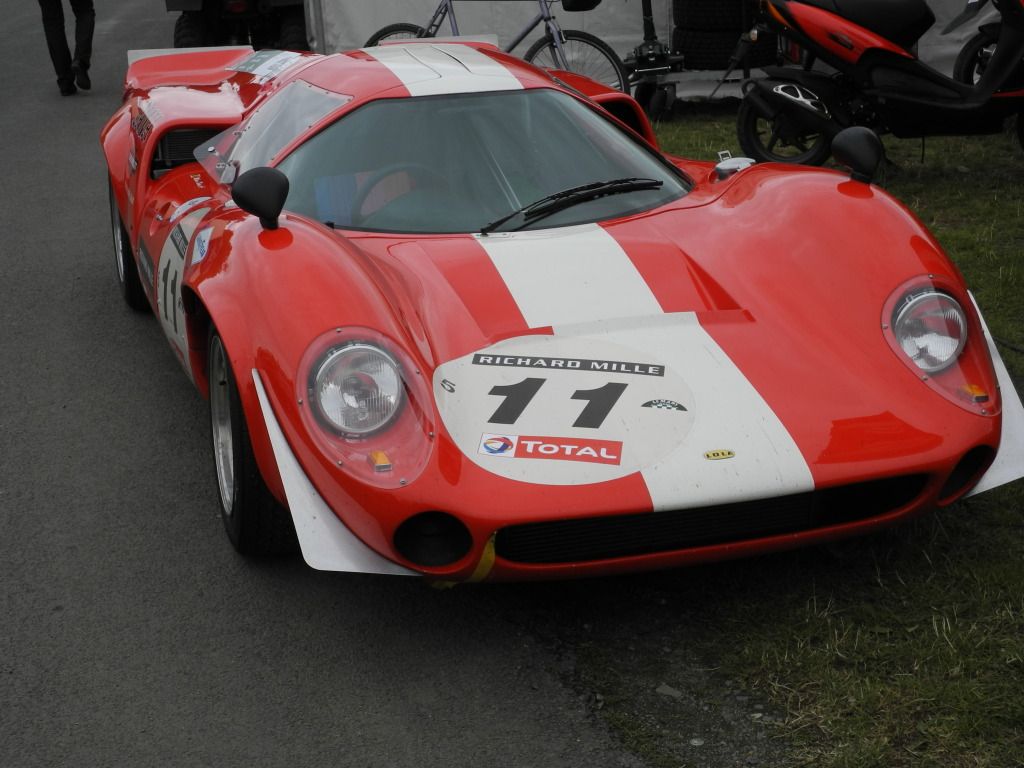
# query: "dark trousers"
53, 26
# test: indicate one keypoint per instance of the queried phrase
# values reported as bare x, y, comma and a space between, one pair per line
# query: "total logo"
552, 448
498, 445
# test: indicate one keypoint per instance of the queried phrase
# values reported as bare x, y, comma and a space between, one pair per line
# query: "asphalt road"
130, 632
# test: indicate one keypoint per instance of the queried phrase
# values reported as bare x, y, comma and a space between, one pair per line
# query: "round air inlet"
967, 471
433, 539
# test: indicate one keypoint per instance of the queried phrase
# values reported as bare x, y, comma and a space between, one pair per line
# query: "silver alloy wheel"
115, 220
220, 422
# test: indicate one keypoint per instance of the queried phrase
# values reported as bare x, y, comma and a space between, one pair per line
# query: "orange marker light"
379, 461
974, 393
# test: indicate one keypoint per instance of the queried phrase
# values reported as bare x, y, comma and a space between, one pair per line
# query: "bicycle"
568, 49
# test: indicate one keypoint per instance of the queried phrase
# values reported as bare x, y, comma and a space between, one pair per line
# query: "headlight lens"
357, 389
931, 329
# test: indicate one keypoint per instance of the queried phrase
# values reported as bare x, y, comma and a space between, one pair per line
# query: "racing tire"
127, 270
973, 59
585, 54
292, 36
190, 30
254, 521
758, 138
400, 31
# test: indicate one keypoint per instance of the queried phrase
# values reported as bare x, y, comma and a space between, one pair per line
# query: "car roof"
421, 68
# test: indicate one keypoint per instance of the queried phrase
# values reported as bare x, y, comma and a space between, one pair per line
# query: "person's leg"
85, 24
57, 43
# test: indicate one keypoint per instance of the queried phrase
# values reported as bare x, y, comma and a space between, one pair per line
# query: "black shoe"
67, 87
81, 75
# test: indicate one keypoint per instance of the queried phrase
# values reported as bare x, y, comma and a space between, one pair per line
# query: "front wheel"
973, 59
400, 31
778, 139
584, 54
255, 523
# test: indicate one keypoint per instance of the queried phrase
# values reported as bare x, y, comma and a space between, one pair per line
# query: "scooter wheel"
974, 59
776, 140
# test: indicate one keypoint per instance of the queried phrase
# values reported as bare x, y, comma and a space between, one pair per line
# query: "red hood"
792, 291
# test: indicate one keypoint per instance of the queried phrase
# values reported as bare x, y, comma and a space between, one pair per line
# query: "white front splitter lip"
327, 545
1009, 462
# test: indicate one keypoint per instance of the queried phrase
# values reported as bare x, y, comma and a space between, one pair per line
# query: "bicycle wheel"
585, 54
401, 31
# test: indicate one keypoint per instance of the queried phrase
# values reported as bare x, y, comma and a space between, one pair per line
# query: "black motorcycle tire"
973, 59
750, 129
1020, 129
403, 30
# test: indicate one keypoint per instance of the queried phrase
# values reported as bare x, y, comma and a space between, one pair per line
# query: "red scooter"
873, 78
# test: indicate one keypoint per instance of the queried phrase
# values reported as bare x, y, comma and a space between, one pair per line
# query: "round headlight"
931, 329
357, 389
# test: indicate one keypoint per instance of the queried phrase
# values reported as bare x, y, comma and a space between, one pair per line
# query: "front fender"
269, 294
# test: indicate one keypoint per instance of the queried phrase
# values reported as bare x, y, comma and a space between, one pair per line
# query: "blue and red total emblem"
497, 445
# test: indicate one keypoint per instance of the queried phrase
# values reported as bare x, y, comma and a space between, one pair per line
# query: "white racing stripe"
580, 281
729, 415
433, 69
569, 275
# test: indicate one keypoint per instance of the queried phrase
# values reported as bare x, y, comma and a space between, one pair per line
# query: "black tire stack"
707, 31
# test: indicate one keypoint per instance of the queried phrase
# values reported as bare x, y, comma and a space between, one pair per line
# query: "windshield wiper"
567, 198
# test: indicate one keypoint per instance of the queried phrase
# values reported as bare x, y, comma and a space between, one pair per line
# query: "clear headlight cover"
357, 389
931, 329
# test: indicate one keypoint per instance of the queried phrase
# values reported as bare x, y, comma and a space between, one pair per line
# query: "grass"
902, 649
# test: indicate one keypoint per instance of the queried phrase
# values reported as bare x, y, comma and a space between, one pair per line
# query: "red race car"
459, 317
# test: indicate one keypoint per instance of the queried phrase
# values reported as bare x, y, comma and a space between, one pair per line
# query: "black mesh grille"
601, 538
177, 147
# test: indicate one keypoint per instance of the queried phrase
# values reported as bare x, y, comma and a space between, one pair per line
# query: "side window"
259, 139
287, 114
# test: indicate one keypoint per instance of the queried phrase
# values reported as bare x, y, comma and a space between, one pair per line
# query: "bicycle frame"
446, 10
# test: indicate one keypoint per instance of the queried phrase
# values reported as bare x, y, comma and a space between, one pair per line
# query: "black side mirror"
261, 192
859, 149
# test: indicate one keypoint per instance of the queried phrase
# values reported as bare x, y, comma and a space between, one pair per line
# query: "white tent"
337, 25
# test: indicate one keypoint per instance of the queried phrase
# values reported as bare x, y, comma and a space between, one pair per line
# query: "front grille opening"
602, 538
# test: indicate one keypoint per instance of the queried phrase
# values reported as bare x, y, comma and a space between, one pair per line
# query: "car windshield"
455, 163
